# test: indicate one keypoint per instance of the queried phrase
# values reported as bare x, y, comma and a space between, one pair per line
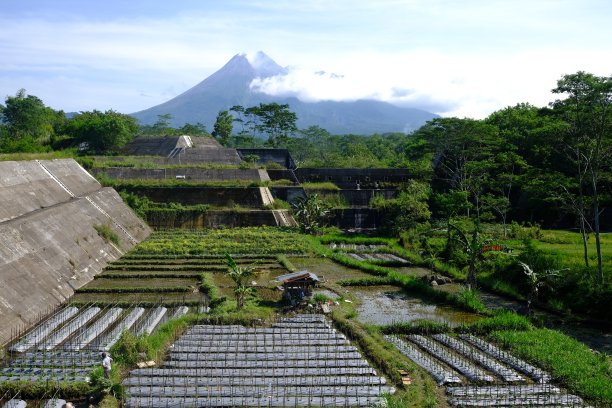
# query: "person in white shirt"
106, 364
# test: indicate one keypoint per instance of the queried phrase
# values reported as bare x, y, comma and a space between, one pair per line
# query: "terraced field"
299, 361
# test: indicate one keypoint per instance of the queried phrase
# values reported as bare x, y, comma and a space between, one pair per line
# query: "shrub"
126, 351
106, 232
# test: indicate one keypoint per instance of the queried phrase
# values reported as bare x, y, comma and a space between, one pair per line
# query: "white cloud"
447, 84
455, 58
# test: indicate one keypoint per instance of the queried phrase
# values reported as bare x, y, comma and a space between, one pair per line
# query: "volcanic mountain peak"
263, 65
230, 86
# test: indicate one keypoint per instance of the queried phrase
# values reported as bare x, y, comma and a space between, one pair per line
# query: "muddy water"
596, 338
389, 304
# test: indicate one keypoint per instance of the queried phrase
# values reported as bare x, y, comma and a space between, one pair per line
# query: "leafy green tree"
447, 206
406, 211
463, 152
102, 131
223, 127
472, 244
240, 275
162, 125
26, 116
274, 120
193, 130
587, 109
310, 213
536, 280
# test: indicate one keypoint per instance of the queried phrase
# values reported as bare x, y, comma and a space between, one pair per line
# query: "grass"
106, 232
148, 298
325, 185
570, 362
55, 154
369, 281
151, 162
134, 184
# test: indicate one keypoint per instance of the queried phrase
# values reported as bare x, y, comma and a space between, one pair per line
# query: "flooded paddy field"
389, 304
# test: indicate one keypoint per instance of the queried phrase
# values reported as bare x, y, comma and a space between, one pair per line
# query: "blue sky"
456, 58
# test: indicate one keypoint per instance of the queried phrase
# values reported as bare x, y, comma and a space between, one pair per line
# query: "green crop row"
135, 290
136, 275
250, 240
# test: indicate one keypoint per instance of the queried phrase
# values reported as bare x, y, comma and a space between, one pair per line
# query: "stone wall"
49, 244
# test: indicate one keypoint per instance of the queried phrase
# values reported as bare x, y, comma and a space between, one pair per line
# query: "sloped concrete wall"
25, 187
49, 245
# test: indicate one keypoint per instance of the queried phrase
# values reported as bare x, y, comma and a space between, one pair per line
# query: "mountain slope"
229, 86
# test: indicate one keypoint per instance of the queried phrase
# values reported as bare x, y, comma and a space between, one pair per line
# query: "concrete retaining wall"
216, 219
26, 186
219, 196
348, 178
183, 173
355, 218
279, 156
49, 243
288, 194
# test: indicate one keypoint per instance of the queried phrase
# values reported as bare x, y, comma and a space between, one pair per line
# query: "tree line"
536, 164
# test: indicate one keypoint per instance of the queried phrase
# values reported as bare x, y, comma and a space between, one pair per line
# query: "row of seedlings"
66, 346
485, 375
300, 361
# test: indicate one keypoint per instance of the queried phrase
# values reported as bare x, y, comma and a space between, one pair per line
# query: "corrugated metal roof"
299, 275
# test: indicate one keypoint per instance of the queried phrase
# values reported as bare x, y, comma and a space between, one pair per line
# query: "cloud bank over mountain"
242, 79
465, 58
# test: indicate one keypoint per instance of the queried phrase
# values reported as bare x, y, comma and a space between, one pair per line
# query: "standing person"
106, 364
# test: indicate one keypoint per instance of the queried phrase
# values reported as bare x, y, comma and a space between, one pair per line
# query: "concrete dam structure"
51, 212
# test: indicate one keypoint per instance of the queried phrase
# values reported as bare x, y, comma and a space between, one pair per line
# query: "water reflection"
389, 304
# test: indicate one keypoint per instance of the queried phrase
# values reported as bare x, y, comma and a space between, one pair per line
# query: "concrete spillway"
48, 210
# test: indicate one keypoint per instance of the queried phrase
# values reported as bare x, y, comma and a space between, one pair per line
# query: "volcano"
230, 86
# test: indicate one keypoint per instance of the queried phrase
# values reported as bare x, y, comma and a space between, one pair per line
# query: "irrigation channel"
300, 361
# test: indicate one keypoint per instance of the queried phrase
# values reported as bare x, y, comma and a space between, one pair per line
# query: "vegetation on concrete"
106, 232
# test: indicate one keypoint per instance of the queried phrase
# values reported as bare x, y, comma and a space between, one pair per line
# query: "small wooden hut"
297, 285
